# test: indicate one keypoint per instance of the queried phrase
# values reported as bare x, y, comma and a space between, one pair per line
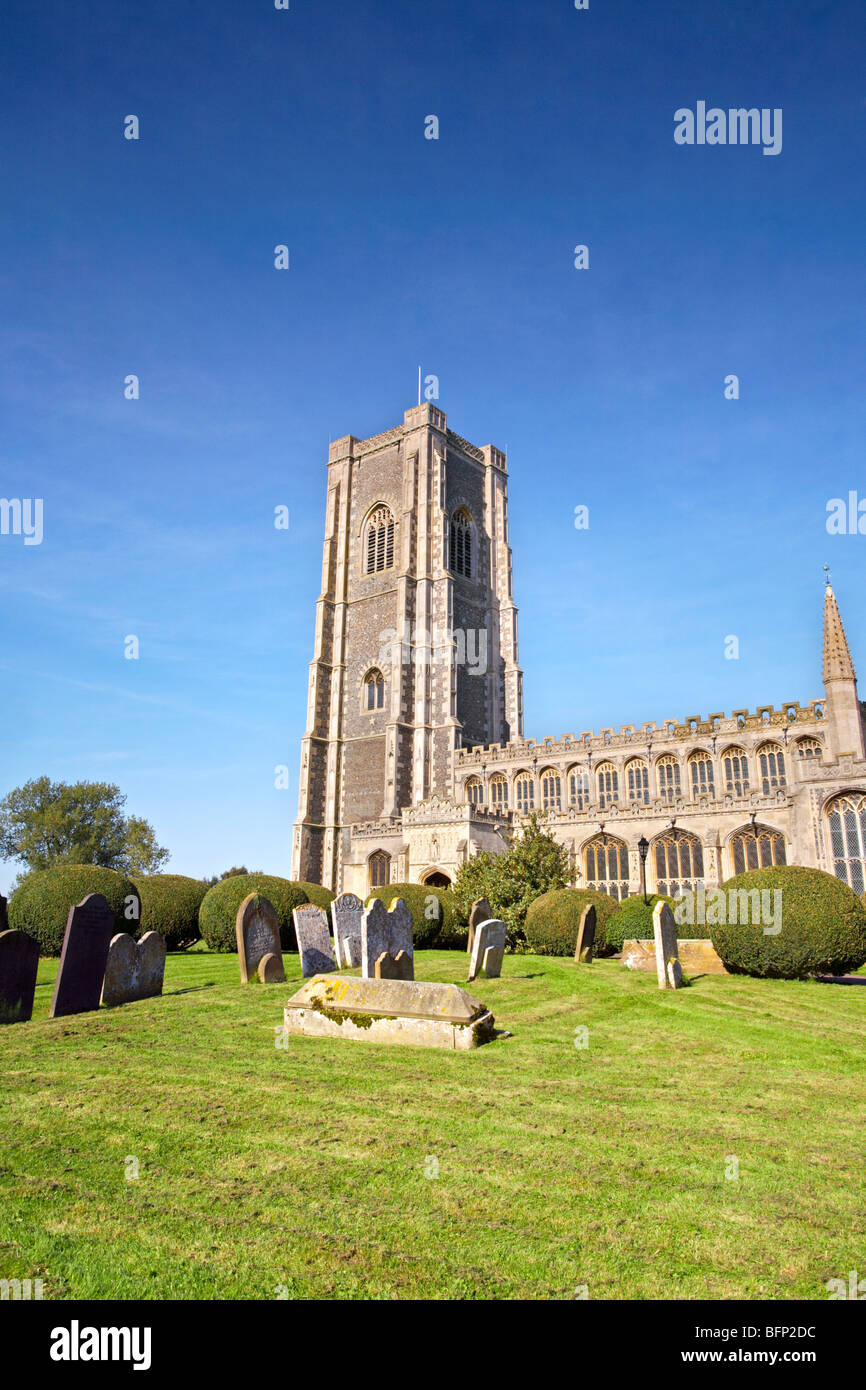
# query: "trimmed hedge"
40, 906
322, 897
219, 908
170, 904
634, 919
823, 927
553, 919
442, 930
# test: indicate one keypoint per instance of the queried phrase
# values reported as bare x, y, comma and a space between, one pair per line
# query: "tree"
227, 873
45, 823
533, 864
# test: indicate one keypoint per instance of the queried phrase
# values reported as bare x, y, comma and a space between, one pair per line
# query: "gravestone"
314, 940
4, 920
134, 969
270, 969
89, 929
399, 967
386, 933
480, 911
257, 933
668, 968
389, 1011
346, 913
585, 935
19, 961
488, 949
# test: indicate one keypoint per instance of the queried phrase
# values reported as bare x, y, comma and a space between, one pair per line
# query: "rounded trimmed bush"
219, 908
322, 897
40, 905
553, 919
170, 904
823, 926
633, 919
440, 928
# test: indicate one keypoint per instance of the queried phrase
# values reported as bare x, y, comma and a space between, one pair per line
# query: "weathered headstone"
585, 935
480, 911
134, 969
257, 932
89, 929
488, 949
346, 913
19, 962
399, 967
314, 940
386, 933
668, 968
4, 920
270, 969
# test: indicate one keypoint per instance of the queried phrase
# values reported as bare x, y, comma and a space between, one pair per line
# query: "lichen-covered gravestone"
668, 968
19, 962
480, 911
488, 949
134, 969
89, 929
346, 913
585, 935
387, 933
314, 940
257, 932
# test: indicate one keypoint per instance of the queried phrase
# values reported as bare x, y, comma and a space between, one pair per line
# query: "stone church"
414, 756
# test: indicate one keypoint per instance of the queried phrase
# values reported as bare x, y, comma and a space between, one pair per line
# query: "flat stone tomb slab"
407, 1012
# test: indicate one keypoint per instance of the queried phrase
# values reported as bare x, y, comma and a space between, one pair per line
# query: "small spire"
838, 665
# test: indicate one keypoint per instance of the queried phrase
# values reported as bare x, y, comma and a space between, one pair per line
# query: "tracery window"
668, 774
578, 788
771, 761
608, 784
756, 847
809, 748
605, 863
679, 861
551, 790
702, 775
499, 791
736, 768
847, 817
637, 777
379, 541
474, 790
380, 869
524, 792
374, 690
461, 544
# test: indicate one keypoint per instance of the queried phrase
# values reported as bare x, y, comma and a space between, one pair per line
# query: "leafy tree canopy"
44, 824
533, 864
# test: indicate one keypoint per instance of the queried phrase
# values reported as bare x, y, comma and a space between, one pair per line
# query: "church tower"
842, 706
416, 632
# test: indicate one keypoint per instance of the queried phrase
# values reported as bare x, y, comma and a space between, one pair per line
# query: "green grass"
558, 1167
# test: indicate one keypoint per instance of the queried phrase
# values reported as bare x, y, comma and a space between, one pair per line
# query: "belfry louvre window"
637, 773
380, 869
379, 541
847, 817
771, 761
551, 790
524, 792
374, 690
736, 772
757, 848
608, 784
606, 865
701, 769
461, 544
679, 864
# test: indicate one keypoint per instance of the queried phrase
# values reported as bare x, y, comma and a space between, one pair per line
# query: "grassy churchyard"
311, 1172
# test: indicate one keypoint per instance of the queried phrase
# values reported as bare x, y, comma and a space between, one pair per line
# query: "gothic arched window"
380, 869
605, 862
474, 791
736, 772
679, 861
499, 791
379, 540
608, 784
524, 792
771, 761
461, 544
374, 690
701, 770
847, 817
756, 847
809, 748
551, 790
578, 788
637, 774
668, 774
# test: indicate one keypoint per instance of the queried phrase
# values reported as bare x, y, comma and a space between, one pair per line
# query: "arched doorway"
436, 879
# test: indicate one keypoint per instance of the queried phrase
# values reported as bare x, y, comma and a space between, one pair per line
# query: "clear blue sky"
306, 127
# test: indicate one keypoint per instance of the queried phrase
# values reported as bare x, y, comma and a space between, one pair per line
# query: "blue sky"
606, 386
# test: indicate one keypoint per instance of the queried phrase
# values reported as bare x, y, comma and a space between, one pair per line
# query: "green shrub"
170, 904
435, 920
633, 919
553, 919
219, 908
40, 905
322, 897
823, 926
